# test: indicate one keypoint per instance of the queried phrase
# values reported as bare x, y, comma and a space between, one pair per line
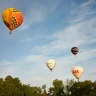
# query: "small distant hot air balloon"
12, 18
50, 64
77, 71
74, 50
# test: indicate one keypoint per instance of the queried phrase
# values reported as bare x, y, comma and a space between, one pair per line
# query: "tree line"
13, 87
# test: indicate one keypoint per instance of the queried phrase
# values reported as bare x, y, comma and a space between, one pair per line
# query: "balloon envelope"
50, 64
77, 71
74, 50
12, 18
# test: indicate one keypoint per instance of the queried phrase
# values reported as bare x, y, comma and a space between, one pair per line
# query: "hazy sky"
49, 31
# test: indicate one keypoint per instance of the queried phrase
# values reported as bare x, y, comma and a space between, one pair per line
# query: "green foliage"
13, 87
57, 89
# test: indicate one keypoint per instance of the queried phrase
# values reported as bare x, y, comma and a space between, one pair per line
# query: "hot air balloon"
12, 18
74, 50
50, 64
77, 72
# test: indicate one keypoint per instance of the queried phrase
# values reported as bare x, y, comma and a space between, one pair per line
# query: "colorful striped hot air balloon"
12, 18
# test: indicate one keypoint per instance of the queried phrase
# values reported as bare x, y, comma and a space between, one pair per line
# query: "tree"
67, 86
13, 87
1, 87
44, 90
82, 89
93, 92
57, 89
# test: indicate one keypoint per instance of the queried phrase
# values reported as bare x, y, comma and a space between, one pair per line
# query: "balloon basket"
10, 32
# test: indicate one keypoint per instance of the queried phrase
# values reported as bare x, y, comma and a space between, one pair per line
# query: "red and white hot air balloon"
50, 64
77, 71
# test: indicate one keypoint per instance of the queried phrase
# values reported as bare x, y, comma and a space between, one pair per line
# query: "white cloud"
74, 35
5, 63
33, 16
88, 3
26, 40
82, 12
24, 26
8, 70
37, 12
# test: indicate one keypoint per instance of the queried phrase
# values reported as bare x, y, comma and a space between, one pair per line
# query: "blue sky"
49, 31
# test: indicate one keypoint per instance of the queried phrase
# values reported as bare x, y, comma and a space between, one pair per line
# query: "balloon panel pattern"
12, 18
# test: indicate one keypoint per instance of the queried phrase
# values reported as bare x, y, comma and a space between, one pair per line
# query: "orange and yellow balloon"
12, 18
